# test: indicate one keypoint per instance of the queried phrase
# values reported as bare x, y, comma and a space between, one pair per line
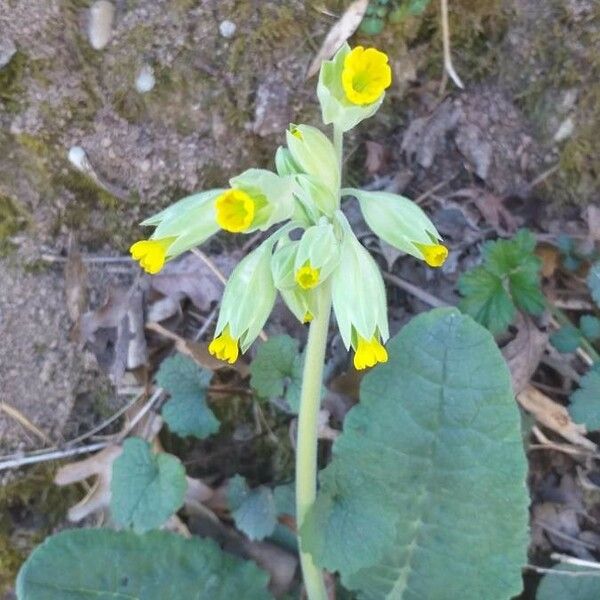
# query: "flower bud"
402, 224
179, 227
314, 153
284, 163
247, 302
314, 194
352, 85
359, 300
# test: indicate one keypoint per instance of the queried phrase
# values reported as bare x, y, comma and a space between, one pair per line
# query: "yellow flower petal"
224, 347
369, 353
366, 75
151, 254
307, 277
434, 254
308, 317
235, 210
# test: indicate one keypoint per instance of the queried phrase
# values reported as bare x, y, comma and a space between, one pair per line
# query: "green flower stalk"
321, 265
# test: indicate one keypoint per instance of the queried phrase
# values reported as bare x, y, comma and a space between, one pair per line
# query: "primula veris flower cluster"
314, 251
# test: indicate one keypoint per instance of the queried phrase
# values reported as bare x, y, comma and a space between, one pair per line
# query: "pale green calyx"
335, 106
272, 195
319, 250
284, 163
314, 153
358, 292
313, 194
401, 223
248, 298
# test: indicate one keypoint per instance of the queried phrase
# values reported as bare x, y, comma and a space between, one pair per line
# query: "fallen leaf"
554, 416
524, 352
593, 219
491, 207
338, 34
76, 280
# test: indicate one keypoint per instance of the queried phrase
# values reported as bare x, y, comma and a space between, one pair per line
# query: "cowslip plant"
424, 496
324, 266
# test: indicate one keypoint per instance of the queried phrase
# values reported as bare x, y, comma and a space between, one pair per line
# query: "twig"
571, 560
547, 444
433, 190
210, 264
207, 323
416, 291
24, 421
559, 572
448, 66
55, 258
138, 417
543, 176
54, 455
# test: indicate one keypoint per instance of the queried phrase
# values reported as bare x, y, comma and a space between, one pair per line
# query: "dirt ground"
525, 129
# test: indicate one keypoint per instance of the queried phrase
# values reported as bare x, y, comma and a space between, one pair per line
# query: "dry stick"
209, 263
448, 66
547, 444
54, 258
571, 560
24, 421
416, 291
55, 455
559, 572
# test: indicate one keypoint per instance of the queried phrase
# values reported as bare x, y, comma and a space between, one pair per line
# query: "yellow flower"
224, 347
369, 353
235, 210
151, 254
434, 254
307, 277
308, 317
366, 75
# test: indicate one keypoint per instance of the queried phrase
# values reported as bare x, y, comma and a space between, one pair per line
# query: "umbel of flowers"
312, 249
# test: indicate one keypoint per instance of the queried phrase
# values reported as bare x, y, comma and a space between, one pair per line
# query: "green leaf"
146, 488
285, 499
425, 496
593, 282
277, 370
254, 510
566, 339
99, 564
585, 402
559, 586
508, 279
590, 327
486, 300
186, 413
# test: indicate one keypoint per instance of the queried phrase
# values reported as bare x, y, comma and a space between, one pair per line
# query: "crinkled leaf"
590, 327
486, 300
186, 413
277, 370
585, 402
508, 279
566, 339
562, 584
98, 564
253, 510
146, 488
593, 282
425, 495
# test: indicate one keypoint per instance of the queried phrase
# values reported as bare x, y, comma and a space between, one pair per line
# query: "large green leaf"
569, 582
425, 497
146, 488
99, 564
186, 413
253, 511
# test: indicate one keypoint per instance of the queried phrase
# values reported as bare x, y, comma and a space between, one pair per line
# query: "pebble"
102, 14
565, 130
78, 158
145, 79
7, 51
227, 29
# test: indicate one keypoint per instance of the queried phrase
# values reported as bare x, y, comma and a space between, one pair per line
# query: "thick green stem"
306, 445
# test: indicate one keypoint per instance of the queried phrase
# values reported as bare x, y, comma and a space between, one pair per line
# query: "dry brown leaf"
524, 353
593, 219
554, 416
376, 157
198, 351
491, 207
550, 257
338, 34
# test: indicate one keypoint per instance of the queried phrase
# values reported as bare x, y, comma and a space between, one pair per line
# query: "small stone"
78, 158
227, 29
102, 14
7, 51
145, 79
565, 130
